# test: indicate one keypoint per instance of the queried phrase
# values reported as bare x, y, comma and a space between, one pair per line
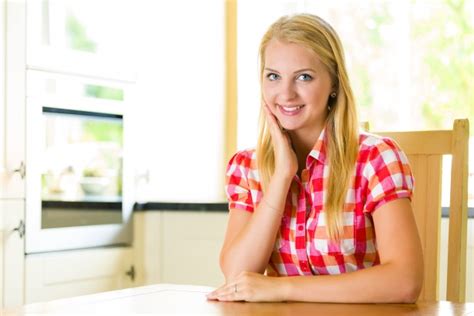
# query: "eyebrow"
300, 70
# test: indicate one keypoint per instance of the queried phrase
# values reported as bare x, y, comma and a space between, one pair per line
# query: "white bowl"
94, 185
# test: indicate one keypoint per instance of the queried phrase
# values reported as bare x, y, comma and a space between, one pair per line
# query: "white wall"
179, 114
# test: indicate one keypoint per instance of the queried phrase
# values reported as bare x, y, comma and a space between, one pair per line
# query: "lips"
290, 110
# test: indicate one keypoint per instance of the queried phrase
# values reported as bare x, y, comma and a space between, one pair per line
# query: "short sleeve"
388, 175
238, 186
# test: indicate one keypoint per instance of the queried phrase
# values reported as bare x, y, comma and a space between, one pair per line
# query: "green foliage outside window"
79, 39
103, 92
449, 59
103, 132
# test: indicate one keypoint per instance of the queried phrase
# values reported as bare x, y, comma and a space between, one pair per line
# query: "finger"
229, 298
274, 125
230, 294
270, 116
223, 290
213, 294
224, 293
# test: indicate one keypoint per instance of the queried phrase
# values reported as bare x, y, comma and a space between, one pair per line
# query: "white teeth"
292, 108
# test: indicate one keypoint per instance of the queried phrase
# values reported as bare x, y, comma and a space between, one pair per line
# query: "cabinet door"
12, 146
147, 246
1, 257
12, 213
191, 243
64, 274
2, 89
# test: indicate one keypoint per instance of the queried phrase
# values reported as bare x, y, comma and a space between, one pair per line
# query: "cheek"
317, 96
267, 93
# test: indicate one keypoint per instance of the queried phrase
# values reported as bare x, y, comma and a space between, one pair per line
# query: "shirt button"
300, 227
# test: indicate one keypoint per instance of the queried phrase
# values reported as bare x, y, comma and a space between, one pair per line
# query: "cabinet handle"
20, 229
131, 273
21, 170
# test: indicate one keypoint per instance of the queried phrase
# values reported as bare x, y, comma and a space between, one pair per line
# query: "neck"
303, 142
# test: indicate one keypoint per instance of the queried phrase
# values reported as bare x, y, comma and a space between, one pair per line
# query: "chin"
290, 127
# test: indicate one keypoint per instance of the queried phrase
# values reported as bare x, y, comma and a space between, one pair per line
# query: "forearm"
385, 283
250, 250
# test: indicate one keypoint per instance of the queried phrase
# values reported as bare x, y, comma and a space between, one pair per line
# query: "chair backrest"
425, 150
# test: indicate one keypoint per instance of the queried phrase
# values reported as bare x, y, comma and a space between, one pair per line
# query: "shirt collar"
319, 149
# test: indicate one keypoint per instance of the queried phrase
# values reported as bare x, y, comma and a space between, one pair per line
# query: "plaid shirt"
302, 246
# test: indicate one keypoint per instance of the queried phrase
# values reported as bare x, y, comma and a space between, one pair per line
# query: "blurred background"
411, 64
116, 110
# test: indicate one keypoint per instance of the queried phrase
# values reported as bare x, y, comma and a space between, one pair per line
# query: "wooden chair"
425, 150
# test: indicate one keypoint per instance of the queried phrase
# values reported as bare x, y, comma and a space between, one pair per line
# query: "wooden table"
167, 299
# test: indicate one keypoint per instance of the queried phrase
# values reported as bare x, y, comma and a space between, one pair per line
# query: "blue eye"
305, 77
272, 76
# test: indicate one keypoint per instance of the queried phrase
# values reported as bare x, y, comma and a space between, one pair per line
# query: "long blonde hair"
342, 125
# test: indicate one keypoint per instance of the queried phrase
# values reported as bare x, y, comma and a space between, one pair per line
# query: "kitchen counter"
191, 300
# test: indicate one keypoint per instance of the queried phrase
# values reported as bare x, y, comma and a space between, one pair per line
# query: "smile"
290, 110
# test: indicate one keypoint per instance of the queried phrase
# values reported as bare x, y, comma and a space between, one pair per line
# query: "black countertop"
171, 206
223, 207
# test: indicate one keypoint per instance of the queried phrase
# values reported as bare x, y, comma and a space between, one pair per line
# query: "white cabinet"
12, 116
147, 247
12, 251
41, 276
78, 272
180, 247
2, 87
191, 243
12, 153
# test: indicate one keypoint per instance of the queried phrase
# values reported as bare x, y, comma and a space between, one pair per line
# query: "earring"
333, 94
329, 108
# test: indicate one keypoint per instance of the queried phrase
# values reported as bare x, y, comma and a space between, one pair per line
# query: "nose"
287, 90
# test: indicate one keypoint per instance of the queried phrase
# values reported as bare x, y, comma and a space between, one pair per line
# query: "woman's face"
296, 86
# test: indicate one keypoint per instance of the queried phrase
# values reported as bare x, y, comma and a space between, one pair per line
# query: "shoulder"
384, 171
245, 158
242, 170
381, 155
372, 145
243, 161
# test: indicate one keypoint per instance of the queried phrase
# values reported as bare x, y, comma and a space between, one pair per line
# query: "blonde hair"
314, 33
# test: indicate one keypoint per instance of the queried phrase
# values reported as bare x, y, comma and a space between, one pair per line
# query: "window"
411, 63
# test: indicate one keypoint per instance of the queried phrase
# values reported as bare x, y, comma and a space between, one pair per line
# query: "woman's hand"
286, 161
250, 287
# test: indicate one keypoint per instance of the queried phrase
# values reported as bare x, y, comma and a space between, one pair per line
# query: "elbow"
232, 269
407, 282
410, 289
410, 293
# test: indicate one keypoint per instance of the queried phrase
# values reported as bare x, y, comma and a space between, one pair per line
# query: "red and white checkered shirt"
302, 246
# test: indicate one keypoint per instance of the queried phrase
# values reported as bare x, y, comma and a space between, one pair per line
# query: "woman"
323, 209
